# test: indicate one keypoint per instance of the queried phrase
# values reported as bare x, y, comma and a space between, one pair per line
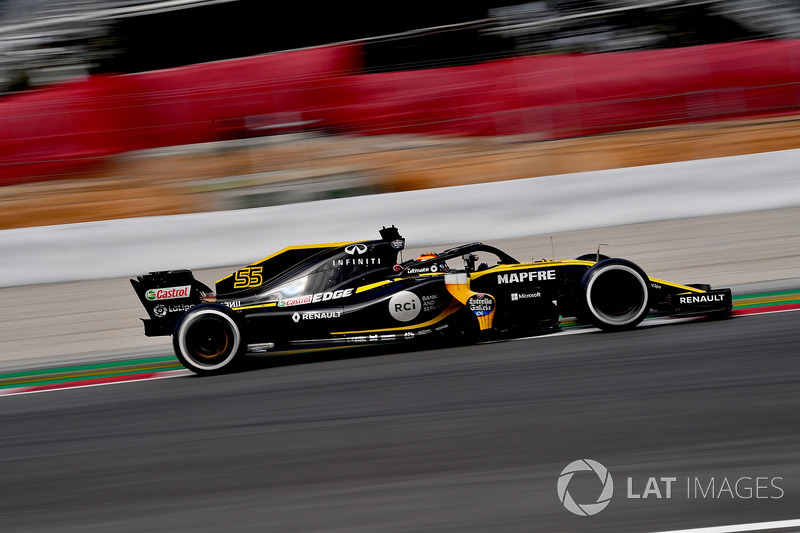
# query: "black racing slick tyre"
208, 340
616, 295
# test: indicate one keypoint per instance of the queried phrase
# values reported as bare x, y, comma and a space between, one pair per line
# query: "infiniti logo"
356, 249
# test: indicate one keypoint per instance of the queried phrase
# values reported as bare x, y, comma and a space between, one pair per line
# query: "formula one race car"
360, 292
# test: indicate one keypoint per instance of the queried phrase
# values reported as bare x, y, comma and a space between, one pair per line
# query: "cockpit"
463, 258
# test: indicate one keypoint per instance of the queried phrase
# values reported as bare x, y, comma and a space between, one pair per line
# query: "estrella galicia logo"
356, 249
586, 509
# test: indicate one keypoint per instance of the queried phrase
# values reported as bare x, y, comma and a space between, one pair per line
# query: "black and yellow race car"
363, 292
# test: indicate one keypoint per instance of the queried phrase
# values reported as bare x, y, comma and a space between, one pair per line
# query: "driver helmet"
439, 266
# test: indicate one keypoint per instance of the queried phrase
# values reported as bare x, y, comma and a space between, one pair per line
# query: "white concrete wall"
491, 211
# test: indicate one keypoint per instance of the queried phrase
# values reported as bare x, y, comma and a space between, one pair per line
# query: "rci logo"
587, 509
405, 306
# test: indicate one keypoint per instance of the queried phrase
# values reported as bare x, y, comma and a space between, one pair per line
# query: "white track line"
740, 528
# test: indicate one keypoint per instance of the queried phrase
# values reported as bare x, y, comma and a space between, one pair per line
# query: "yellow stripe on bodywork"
270, 304
365, 288
371, 286
298, 247
677, 285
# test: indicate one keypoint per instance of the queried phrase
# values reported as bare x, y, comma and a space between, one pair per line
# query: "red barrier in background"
574, 95
47, 133
43, 132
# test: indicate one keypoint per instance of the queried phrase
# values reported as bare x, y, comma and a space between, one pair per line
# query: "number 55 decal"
247, 277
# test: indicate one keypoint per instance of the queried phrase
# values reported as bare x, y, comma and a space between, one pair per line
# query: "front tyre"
616, 295
207, 340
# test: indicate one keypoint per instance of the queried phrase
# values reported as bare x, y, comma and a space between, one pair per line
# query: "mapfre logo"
585, 509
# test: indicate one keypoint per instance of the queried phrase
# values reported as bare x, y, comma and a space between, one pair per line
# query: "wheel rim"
208, 339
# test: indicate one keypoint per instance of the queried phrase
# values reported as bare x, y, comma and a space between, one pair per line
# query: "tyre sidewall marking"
189, 320
604, 318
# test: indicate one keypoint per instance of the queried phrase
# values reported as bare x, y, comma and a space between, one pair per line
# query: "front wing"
711, 302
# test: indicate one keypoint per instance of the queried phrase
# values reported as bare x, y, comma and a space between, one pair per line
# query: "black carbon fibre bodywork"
361, 292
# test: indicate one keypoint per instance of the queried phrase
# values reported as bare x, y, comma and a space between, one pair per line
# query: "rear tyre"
207, 340
616, 295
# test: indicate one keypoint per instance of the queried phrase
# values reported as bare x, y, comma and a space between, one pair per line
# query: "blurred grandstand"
43, 41
192, 128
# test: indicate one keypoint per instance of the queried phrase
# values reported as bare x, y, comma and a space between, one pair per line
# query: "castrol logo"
168, 293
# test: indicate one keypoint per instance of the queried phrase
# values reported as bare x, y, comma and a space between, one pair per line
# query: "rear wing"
166, 296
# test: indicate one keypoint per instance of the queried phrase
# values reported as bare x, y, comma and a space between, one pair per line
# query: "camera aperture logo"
585, 509
741, 488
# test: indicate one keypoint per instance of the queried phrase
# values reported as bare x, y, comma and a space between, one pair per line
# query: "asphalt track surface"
458, 439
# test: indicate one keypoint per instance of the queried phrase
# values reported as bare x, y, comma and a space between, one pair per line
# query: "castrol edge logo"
167, 293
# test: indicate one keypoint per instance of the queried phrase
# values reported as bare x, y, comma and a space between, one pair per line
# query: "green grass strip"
75, 379
101, 373
767, 304
88, 367
766, 294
